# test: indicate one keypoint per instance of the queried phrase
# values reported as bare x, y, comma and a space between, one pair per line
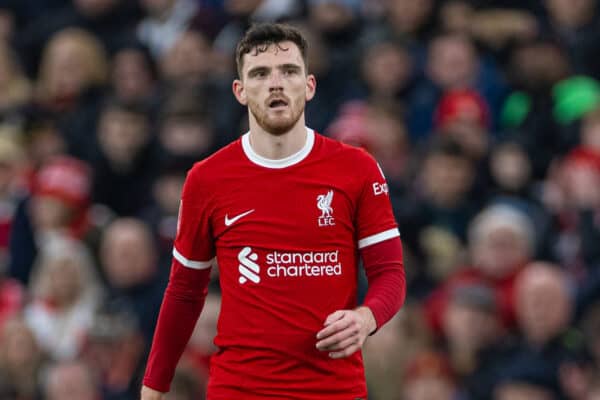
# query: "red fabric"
436, 304
462, 105
182, 303
11, 299
387, 282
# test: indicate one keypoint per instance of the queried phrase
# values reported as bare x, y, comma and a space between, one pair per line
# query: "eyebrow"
253, 71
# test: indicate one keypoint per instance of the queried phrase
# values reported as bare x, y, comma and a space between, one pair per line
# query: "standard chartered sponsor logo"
289, 264
249, 270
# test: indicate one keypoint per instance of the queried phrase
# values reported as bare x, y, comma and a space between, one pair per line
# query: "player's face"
275, 87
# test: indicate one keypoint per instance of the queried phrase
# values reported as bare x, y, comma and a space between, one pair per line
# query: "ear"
311, 86
239, 92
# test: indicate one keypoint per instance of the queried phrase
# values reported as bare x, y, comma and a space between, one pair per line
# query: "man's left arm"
345, 331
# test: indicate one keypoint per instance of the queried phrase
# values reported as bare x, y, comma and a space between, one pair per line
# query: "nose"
276, 81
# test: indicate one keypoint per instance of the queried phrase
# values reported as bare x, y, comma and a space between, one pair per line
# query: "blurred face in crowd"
189, 60
408, 15
330, 16
131, 75
542, 301
72, 61
510, 166
127, 253
167, 192
386, 68
64, 280
242, 7
571, 13
468, 327
71, 381
50, 213
275, 87
452, 62
538, 65
447, 178
521, 391
500, 251
122, 134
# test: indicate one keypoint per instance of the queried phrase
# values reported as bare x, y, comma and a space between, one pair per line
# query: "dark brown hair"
260, 36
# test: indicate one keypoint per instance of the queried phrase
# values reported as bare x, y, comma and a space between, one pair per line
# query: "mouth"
277, 103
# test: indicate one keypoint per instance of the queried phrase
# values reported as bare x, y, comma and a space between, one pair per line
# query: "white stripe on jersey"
378, 237
191, 264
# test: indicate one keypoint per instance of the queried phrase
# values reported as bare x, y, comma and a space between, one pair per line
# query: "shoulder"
212, 167
356, 156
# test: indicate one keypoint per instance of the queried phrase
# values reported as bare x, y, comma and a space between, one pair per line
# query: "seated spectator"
130, 264
125, 163
501, 242
65, 292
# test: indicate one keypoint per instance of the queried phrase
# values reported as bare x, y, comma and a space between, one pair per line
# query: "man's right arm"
182, 304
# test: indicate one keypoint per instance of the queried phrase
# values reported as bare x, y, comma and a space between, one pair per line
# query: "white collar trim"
283, 162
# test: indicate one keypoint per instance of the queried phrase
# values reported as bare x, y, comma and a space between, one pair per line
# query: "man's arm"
345, 331
182, 304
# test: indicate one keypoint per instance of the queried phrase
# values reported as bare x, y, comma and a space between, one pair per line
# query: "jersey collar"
283, 162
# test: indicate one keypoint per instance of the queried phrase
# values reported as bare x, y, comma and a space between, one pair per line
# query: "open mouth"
277, 103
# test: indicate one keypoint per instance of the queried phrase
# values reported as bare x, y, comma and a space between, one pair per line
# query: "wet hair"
260, 36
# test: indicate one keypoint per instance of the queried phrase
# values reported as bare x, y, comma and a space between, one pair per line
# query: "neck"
276, 147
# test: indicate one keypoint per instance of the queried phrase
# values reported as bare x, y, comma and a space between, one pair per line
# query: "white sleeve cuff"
378, 237
190, 263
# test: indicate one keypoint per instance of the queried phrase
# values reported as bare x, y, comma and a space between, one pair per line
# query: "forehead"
276, 54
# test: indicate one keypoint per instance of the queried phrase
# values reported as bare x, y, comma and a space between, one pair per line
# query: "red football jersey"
286, 235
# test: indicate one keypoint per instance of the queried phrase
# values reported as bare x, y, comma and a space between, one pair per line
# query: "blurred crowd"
483, 114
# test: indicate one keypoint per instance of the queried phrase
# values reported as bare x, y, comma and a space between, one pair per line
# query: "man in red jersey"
286, 212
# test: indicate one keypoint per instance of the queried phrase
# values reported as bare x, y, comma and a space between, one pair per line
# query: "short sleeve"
375, 220
194, 246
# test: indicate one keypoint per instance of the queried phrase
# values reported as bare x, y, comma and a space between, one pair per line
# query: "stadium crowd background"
484, 115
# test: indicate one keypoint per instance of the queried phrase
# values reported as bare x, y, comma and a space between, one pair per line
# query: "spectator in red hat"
464, 115
429, 376
60, 197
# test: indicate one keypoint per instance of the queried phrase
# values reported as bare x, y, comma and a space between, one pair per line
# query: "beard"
277, 125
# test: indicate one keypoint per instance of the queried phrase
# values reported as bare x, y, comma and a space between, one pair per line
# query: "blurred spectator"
15, 87
133, 76
575, 25
125, 163
130, 264
65, 292
165, 21
21, 362
188, 62
387, 354
435, 217
161, 215
376, 128
73, 72
71, 380
501, 241
115, 347
453, 64
470, 326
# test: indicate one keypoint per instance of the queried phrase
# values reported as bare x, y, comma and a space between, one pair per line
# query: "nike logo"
230, 221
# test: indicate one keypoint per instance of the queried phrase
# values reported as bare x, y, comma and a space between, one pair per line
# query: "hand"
345, 331
151, 394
